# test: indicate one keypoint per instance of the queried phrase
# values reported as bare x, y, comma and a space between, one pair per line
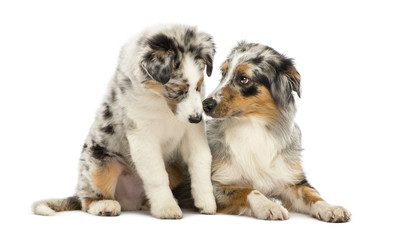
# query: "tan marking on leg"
105, 179
308, 195
232, 200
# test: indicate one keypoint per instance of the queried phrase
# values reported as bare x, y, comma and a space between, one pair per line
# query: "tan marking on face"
234, 199
154, 86
105, 179
176, 175
234, 104
160, 53
161, 90
199, 84
243, 69
224, 68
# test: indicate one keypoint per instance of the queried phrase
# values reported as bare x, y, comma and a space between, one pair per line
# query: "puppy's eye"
244, 80
177, 65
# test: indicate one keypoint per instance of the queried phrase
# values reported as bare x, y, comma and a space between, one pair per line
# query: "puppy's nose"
209, 104
195, 118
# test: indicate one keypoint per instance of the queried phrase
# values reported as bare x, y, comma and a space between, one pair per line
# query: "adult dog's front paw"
265, 209
329, 213
166, 210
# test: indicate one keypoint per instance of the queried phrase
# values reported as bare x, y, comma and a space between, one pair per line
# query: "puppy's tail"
51, 206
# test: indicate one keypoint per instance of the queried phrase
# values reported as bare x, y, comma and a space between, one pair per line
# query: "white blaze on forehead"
191, 70
233, 63
192, 103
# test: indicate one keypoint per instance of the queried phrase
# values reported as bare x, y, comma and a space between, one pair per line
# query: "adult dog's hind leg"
248, 202
304, 198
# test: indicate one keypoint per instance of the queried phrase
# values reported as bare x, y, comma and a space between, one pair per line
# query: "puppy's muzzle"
209, 104
195, 118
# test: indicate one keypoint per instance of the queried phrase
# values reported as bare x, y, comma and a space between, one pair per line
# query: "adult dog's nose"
209, 104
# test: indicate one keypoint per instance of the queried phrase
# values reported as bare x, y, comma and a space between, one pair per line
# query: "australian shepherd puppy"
148, 134
255, 142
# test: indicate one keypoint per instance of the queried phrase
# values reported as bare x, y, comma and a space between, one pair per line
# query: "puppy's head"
173, 63
256, 81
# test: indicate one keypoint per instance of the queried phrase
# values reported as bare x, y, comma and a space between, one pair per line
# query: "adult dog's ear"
294, 80
157, 62
288, 80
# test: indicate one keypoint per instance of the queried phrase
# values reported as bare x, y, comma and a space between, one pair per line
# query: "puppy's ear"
207, 52
209, 64
157, 62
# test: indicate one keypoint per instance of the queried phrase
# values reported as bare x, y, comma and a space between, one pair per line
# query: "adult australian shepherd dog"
255, 142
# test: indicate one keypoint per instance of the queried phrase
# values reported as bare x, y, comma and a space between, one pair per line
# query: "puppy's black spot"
99, 152
148, 57
127, 82
193, 49
108, 129
99, 195
73, 203
113, 95
250, 91
107, 112
161, 42
188, 36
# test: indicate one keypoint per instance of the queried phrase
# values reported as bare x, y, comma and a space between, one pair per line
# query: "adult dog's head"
173, 61
256, 81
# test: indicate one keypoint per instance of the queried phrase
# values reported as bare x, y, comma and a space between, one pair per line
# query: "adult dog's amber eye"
243, 80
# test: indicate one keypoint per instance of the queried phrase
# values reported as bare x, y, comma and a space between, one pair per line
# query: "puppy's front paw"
105, 208
265, 209
206, 204
328, 213
166, 211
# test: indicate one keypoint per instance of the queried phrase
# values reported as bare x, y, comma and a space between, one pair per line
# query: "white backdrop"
56, 59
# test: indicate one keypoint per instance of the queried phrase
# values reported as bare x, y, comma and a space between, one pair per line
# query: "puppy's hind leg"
97, 190
304, 198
